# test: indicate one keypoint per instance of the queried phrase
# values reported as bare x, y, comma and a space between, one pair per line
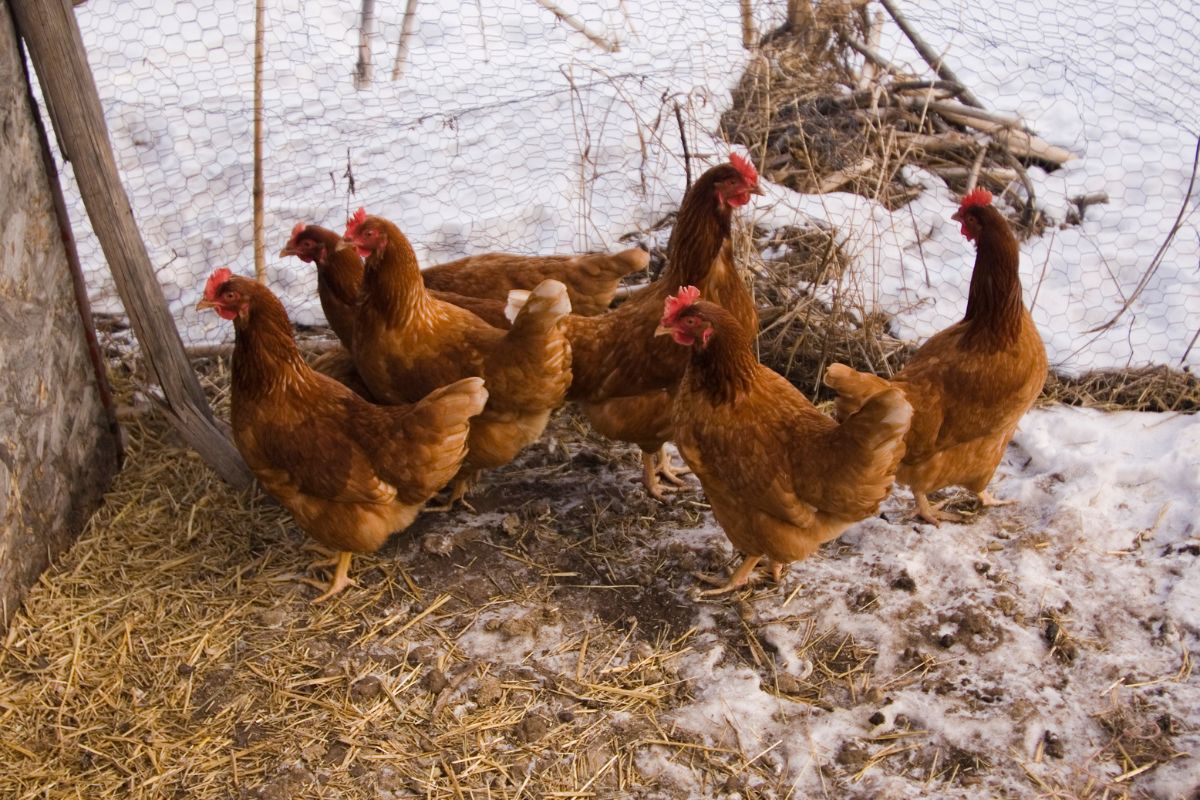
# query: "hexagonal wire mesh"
507, 128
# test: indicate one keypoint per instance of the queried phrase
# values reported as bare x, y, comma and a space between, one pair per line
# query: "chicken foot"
933, 513
340, 560
656, 464
669, 471
458, 494
330, 557
989, 500
341, 577
740, 577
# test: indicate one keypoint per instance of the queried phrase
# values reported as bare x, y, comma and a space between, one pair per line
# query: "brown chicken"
644, 420
971, 383
407, 342
591, 280
350, 472
340, 277
615, 357
782, 478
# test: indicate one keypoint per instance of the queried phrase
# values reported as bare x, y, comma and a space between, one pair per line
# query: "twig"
1156, 262
578, 24
871, 54
687, 157
836, 180
314, 346
976, 165
1030, 213
993, 175
870, 70
1007, 131
931, 58
260, 254
410, 19
797, 9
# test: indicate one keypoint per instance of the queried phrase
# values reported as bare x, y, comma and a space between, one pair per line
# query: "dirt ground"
549, 645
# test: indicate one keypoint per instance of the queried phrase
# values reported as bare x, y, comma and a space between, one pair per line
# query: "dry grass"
819, 119
535, 649
1145, 389
173, 652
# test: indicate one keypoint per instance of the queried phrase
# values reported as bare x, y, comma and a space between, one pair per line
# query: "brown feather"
408, 342
350, 472
971, 383
591, 280
781, 477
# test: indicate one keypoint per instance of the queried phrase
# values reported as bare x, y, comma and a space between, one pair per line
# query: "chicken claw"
458, 494
341, 578
737, 580
933, 513
668, 470
331, 557
656, 464
650, 472
988, 500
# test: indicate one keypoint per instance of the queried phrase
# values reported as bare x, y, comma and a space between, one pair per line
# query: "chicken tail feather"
458, 401
628, 261
542, 307
876, 433
854, 388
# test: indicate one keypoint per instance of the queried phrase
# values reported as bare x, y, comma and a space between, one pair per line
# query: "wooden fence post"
56, 49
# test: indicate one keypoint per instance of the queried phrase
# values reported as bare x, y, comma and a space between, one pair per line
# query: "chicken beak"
343, 245
756, 189
662, 330
205, 303
956, 216
286, 251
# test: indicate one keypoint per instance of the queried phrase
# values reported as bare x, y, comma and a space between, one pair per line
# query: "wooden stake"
410, 19
57, 53
260, 255
363, 71
748, 34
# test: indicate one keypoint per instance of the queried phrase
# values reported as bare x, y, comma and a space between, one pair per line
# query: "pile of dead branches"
823, 111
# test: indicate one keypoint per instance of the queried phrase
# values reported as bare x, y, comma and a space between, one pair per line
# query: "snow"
509, 130
1104, 538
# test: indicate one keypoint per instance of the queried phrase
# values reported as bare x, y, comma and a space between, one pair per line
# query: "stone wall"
56, 451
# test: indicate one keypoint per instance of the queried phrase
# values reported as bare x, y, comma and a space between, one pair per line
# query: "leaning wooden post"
363, 70
260, 254
406, 30
56, 50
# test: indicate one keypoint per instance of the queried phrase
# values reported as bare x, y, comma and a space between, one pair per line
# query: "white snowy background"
511, 131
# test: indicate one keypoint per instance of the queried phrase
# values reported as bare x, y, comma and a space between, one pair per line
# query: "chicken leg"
669, 471
988, 500
739, 578
656, 464
341, 577
933, 514
458, 494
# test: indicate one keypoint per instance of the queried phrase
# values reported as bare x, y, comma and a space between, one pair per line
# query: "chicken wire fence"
537, 127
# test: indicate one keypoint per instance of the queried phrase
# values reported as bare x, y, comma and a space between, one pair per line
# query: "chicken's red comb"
979, 197
352, 224
214, 282
299, 229
747, 170
686, 296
